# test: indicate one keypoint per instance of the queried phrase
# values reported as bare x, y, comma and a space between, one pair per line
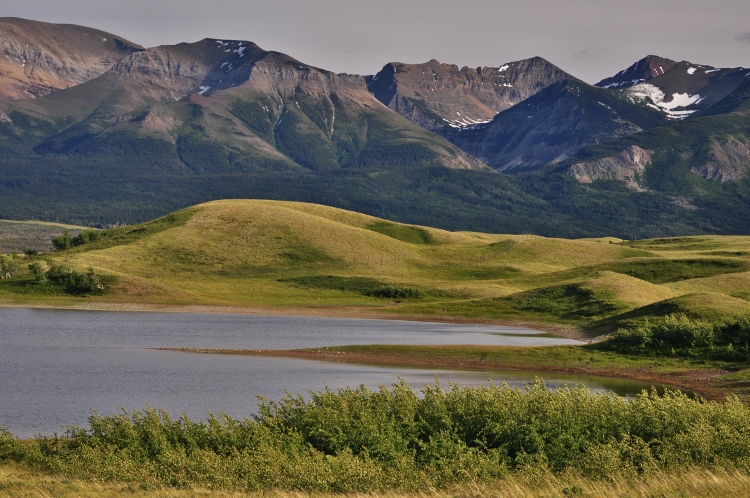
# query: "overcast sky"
591, 39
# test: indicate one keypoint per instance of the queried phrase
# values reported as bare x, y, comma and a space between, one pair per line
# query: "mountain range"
96, 129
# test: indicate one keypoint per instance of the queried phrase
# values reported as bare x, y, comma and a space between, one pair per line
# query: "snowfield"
674, 109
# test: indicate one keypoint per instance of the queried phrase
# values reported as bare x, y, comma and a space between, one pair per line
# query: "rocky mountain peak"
176, 71
40, 58
645, 69
436, 95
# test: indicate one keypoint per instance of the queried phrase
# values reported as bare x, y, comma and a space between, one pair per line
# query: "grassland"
294, 256
17, 482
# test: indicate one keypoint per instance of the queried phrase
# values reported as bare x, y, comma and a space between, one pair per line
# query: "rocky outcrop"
627, 166
38, 58
729, 161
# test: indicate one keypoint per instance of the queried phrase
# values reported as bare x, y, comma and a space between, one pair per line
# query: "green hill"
288, 255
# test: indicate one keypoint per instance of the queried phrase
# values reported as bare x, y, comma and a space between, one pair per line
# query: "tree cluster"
65, 241
62, 275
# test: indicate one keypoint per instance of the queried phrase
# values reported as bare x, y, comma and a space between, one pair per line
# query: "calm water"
58, 365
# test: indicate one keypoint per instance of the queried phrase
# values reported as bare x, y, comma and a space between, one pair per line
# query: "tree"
62, 242
8, 267
86, 236
37, 271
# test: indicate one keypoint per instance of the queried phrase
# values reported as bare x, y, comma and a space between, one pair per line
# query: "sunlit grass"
17, 482
245, 253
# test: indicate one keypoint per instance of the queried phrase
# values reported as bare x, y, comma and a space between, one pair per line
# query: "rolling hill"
281, 255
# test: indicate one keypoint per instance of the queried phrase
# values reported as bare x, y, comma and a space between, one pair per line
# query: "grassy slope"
279, 254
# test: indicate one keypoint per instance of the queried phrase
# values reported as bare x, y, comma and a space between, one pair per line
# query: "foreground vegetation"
17, 482
392, 439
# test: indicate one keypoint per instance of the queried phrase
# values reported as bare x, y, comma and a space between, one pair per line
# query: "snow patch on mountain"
624, 83
502, 68
465, 122
691, 70
655, 98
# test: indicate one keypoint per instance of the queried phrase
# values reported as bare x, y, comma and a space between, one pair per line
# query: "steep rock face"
645, 69
436, 95
729, 161
627, 166
552, 126
39, 58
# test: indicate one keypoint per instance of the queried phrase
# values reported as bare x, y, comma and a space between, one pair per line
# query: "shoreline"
357, 312
695, 380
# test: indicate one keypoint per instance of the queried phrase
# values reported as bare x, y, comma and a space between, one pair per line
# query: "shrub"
358, 440
75, 282
397, 292
8, 266
65, 241
678, 335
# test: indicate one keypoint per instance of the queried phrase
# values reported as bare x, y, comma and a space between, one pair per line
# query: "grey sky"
591, 39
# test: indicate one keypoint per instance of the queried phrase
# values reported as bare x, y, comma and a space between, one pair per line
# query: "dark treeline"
551, 205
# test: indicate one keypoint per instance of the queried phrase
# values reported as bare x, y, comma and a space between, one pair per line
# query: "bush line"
393, 439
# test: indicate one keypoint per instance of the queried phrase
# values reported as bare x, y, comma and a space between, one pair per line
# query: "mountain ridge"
169, 126
40, 58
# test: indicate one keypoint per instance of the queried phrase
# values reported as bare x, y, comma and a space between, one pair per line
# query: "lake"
58, 365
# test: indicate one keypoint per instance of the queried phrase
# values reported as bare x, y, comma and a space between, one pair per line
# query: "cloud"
744, 38
584, 53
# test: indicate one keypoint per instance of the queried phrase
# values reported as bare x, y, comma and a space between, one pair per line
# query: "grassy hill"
280, 255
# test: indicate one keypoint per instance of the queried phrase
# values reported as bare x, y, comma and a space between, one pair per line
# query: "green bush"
8, 266
74, 282
65, 241
397, 292
678, 335
364, 285
59, 277
357, 440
